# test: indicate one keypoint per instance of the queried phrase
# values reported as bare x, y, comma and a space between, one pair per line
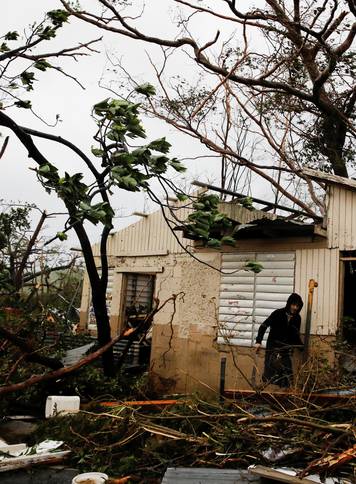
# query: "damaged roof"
265, 228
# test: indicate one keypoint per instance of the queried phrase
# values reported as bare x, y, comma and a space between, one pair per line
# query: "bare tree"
285, 75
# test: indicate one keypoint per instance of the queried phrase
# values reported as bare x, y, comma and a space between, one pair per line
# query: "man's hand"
257, 347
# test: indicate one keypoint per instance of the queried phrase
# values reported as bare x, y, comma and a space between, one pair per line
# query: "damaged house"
219, 304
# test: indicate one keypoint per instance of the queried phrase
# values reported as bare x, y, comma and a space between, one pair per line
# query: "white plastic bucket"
90, 478
58, 404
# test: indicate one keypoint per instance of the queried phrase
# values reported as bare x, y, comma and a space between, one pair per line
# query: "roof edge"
328, 178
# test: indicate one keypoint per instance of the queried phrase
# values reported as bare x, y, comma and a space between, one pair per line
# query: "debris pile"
143, 440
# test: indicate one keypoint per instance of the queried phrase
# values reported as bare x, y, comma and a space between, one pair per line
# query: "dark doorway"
349, 306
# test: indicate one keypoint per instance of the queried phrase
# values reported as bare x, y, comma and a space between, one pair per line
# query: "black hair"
294, 298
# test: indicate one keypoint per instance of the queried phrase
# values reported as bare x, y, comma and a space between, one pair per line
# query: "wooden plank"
23, 462
328, 178
322, 396
278, 475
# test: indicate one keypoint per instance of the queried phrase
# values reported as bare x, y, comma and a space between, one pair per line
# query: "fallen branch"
301, 423
31, 354
58, 374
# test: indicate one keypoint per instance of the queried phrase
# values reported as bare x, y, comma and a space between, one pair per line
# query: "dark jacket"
283, 333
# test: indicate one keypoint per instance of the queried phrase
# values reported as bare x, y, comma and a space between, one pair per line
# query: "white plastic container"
90, 477
58, 404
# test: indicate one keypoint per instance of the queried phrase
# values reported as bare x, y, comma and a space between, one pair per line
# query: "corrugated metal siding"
150, 234
191, 475
243, 215
247, 299
341, 218
323, 266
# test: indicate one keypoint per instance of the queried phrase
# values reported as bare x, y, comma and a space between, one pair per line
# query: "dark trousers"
278, 367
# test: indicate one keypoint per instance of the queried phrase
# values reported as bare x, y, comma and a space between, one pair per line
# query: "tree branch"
31, 355
60, 373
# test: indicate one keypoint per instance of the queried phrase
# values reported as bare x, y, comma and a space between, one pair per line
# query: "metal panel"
191, 475
323, 265
341, 218
247, 299
149, 235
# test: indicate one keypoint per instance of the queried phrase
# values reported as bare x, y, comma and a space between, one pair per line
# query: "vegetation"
142, 442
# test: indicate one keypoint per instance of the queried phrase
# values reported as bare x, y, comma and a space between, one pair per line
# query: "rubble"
144, 440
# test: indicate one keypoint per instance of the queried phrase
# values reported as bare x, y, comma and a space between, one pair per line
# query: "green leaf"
101, 107
12, 36
27, 79
247, 202
177, 165
182, 197
253, 266
213, 243
58, 17
97, 152
42, 65
147, 89
62, 236
23, 104
127, 182
160, 145
47, 33
44, 169
4, 47
227, 240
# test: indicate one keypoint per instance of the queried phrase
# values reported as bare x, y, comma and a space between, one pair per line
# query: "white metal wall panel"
322, 265
341, 218
247, 299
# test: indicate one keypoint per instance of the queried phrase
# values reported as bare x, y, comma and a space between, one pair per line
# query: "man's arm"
262, 329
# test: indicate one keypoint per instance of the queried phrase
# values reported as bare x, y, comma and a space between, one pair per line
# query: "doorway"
348, 326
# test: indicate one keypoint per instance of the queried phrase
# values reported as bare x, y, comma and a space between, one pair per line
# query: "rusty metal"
311, 286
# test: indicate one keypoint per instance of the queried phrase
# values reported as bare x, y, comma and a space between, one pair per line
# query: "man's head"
294, 303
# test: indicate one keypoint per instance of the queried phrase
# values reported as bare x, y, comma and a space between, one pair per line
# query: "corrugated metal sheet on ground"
72, 356
75, 354
247, 299
182, 475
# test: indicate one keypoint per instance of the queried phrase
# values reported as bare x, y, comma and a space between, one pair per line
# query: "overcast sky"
55, 94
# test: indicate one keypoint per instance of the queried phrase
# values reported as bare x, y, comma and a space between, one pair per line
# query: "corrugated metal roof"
183, 475
263, 228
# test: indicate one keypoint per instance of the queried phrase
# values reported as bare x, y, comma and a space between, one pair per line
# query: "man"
284, 334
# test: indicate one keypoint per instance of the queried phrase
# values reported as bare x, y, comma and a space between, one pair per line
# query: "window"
138, 297
247, 299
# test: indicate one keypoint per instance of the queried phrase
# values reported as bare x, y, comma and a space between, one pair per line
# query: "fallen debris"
19, 456
144, 438
291, 476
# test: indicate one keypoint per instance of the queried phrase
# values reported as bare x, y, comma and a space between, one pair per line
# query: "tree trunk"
334, 134
103, 328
